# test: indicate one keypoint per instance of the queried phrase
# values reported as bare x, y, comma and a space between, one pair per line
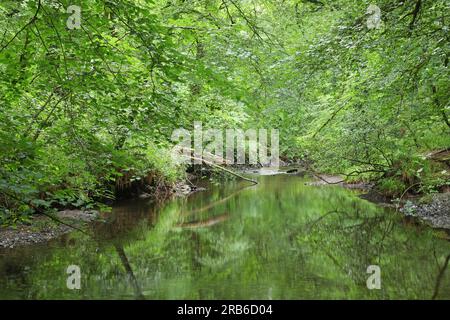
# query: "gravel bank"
434, 211
42, 228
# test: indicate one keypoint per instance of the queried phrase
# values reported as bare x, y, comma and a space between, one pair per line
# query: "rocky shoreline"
433, 210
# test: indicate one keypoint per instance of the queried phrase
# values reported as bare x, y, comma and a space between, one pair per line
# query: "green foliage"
363, 103
391, 186
80, 107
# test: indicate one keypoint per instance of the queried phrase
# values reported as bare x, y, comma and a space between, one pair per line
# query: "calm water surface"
280, 239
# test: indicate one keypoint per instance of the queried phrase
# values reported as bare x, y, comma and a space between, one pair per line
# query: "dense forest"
89, 98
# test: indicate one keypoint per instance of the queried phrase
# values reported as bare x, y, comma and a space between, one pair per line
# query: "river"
279, 239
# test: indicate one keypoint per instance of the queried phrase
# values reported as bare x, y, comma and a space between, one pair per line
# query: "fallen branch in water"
318, 175
212, 164
226, 170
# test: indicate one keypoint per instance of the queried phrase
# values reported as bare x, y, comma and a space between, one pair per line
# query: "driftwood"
319, 176
439, 155
212, 164
226, 170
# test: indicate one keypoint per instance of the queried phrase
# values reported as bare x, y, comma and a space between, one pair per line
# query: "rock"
182, 189
79, 215
283, 163
436, 211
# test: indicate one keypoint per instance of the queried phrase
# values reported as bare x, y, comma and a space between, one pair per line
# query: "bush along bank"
418, 186
41, 184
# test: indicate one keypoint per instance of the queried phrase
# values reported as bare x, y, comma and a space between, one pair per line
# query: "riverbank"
41, 228
432, 209
212, 236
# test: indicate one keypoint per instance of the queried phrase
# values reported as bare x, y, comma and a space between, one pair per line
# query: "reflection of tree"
125, 218
439, 277
351, 239
360, 236
355, 238
197, 251
211, 219
129, 270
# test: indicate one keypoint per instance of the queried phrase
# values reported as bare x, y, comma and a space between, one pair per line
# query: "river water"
280, 239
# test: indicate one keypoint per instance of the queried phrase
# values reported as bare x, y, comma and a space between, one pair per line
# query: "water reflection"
280, 239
